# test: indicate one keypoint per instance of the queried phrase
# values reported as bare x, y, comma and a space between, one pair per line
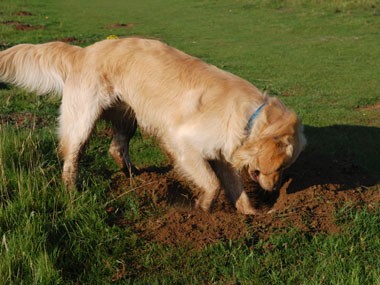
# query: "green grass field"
322, 58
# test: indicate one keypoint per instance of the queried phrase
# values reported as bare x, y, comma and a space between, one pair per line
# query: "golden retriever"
211, 122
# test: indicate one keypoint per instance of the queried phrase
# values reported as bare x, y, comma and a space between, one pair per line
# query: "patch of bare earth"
70, 40
23, 13
314, 188
21, 26
115, 26
370, 107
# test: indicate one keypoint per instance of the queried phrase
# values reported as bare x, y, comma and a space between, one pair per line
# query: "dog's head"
274, 143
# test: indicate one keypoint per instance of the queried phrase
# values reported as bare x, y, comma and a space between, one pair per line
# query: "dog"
212, 123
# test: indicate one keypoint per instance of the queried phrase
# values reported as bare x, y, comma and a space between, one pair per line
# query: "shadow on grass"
155, 169
348, 156
4, 86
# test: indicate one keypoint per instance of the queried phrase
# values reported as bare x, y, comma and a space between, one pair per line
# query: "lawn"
322, 58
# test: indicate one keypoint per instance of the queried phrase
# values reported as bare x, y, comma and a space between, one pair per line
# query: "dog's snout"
270, 182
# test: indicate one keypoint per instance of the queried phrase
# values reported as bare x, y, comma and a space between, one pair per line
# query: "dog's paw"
244, 206
201, 204
272, 211
250, 211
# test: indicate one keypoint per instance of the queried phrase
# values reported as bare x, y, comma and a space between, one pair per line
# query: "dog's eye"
255, 175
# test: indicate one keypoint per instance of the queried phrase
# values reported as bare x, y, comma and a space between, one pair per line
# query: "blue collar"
252, 119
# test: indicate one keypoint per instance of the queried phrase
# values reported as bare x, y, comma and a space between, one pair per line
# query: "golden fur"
198, 111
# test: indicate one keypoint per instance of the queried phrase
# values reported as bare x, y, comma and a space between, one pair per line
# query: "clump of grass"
49, 234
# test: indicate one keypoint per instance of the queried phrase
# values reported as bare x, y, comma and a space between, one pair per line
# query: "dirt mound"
20, 26
113, 26
305, 201
69, 40
369, 107
23, 13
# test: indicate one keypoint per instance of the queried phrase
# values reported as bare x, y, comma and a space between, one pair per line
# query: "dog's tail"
39, 68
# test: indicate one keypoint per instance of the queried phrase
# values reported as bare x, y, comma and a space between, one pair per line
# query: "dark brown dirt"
314, 188
69, 40
113, 26
27, 27
370, 107
20, 26
23, 13
10, 23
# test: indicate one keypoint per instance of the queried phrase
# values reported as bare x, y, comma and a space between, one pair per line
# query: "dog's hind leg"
124, 126
79, 113
233, 185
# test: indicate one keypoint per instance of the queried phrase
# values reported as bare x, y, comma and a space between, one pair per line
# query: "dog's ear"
271, 114
268, 154
276, 111
243, 155
278, 124
273, 154
285, 143
289, 150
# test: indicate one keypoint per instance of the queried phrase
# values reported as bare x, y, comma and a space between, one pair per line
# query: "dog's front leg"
190, 163
233, 185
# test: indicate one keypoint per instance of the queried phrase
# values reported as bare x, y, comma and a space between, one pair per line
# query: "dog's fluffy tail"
39, 68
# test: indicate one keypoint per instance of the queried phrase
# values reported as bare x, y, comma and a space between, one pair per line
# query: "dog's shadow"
4, 86
340, 157
346, 156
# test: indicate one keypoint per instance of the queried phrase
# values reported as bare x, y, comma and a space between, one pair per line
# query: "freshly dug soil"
314, 188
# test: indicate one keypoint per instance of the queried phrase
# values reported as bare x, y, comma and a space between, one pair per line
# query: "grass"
320, 57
